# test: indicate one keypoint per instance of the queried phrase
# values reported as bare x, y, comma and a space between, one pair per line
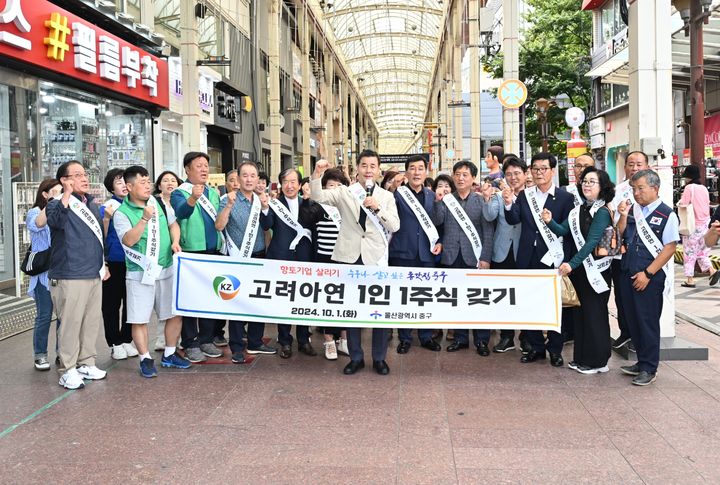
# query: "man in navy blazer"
532, 245
410, 245
307, 213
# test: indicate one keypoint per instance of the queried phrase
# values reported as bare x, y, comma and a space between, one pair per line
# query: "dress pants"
354, 337
237, 334
301, 331
643, 309
621, 319
405, 334
509, 263
198, 331
117, 330
462, 336
592, 324
535, 337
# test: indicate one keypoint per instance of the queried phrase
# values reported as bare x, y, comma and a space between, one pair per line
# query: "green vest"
134, 214
192, 229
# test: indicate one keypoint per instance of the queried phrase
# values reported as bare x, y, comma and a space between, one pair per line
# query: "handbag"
610, 241
686, 214
569, 295
35, 262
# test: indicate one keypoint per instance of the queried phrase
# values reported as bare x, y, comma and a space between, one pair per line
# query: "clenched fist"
320, 167
148, 212
197, 191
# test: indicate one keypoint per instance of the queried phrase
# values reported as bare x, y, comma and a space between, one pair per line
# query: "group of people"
113, 261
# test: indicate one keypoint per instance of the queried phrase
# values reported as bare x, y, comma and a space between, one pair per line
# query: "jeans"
43, 318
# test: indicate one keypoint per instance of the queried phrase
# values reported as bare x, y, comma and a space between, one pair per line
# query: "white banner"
340, 295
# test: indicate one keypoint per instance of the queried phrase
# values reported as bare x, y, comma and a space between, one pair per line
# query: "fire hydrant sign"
344, 295
42, 34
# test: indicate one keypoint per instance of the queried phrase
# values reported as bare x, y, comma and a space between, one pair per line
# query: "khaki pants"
78, 305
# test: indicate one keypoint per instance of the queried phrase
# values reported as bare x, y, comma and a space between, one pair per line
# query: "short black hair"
335, 174
413, 159
513, 161
131, 173
443, 178
508, 155
428, 182
248, 163
287, 172
305, 180
367, 154
190, 156
110, 177
466, 164
544, 156
162, 176
647, 160
63, 169
262, 176
607, 188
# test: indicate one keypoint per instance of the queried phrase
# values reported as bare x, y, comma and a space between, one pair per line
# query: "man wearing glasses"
77, 269
539, 247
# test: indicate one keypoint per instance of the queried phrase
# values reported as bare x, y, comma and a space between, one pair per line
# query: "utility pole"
697, 89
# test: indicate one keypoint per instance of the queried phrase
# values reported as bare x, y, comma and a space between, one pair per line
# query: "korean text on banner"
263, 290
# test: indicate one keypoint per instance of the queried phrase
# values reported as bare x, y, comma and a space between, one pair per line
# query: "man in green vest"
149, 238
196, 207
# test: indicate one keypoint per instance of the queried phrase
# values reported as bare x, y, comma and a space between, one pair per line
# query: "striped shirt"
39, 241
327, 234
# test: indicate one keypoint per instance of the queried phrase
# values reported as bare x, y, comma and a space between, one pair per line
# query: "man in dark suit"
293, 222
411, 245
534, 251
465, 246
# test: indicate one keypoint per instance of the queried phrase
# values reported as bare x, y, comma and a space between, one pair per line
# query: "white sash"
554, 256
465, 223
421, 215
112, 204
148, 261
359, 192
287, 218
249, 236
651, 242
334, 215
592, 267
574, 191
82, 211
203, 201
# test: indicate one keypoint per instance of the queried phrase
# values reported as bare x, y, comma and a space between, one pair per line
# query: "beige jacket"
352, 241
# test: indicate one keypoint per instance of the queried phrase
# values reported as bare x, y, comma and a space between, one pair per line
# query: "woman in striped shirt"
39, 289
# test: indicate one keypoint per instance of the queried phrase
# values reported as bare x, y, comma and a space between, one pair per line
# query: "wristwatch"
648, 273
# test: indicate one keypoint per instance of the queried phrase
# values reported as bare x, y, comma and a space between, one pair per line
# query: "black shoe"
525, 347
431, 345
285, 352
403, 347
644, 378
631, 370
532, 356
621, 340
714, 278
263, 349
381, 367
455, 346
556, 360
353, 366
505, 344
482, 348
307, 349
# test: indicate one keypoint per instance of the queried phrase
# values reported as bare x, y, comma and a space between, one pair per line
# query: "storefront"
68, 91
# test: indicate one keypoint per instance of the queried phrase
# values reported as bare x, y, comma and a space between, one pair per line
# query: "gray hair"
652, 178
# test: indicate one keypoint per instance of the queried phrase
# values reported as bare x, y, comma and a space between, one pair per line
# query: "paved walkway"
438, 418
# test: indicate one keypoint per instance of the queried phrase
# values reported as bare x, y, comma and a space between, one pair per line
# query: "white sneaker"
592, 370
160, 343
91, 372
330, 350
71, 380
130, 349
118, 352
342, 347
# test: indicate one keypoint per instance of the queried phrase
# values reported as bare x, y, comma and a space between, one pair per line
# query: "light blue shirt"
238, 220
40, 241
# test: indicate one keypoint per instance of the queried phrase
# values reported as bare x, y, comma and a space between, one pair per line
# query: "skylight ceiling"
390, 48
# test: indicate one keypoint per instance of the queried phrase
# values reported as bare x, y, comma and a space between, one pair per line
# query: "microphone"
368, 187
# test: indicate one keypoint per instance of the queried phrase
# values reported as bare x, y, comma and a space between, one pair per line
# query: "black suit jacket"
532, 245
309, 213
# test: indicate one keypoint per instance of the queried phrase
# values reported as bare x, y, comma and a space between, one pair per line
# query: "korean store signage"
42, 34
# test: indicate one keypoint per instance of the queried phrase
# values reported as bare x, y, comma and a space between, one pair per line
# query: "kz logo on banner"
365, 296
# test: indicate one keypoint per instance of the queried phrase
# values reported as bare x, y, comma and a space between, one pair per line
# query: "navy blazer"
309, 213
532, 245
410, 241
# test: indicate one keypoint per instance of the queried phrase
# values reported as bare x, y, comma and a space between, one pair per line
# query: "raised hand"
546, 216
624, 208
148, 212
231, 198
487, 190
320, 167
264, 200
197, 191
508, 195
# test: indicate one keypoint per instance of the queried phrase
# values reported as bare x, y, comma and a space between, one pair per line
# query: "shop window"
170, 151
610, 21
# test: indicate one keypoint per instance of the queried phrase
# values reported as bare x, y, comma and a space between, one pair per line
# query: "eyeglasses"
79, 175
539, 169
590, 182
